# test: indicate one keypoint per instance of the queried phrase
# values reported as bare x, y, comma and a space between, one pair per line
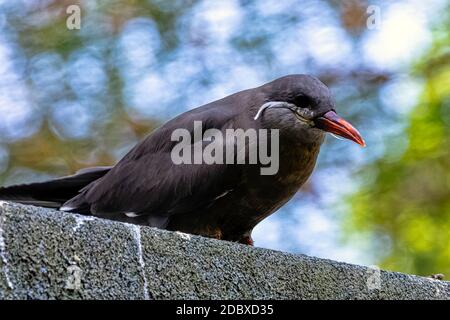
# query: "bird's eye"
303, 101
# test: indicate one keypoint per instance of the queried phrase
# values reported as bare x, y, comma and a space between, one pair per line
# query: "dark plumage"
219, 200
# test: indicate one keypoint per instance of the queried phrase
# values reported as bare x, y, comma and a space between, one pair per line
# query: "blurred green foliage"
407, 197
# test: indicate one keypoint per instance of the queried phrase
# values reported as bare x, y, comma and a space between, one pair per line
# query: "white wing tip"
66, 208
131, 214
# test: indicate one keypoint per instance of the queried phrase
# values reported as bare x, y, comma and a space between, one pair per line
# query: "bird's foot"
247, 240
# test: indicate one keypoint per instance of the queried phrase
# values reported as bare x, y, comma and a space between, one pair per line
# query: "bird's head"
303, 102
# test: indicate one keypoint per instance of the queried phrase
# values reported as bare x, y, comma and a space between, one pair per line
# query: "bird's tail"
52, 193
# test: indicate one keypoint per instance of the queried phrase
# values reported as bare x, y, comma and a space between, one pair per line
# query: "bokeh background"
76, 98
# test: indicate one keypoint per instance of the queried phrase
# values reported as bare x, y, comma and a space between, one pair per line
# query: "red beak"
332, 123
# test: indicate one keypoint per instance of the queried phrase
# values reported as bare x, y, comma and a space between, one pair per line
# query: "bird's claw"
247, 240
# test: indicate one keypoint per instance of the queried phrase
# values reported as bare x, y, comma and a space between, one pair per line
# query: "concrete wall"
46, 254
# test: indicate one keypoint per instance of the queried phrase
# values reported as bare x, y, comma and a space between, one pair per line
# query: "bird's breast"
254, 197
261, 195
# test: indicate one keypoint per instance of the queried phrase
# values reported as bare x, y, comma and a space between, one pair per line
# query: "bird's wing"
147, 182
54, 192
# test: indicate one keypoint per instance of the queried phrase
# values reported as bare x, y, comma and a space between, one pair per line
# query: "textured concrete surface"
46, 254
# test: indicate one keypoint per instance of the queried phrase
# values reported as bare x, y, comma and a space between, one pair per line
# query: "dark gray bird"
223, 201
